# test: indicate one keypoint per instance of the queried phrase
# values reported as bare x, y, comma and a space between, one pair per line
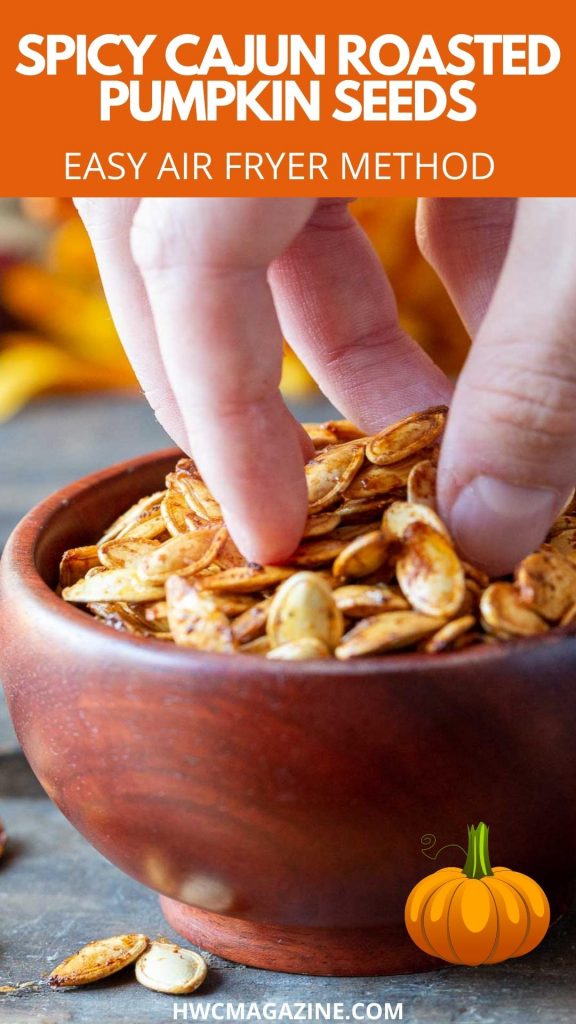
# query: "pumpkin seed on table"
166, 967
97, 960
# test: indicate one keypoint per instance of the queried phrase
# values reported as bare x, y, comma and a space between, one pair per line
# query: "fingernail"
495, 524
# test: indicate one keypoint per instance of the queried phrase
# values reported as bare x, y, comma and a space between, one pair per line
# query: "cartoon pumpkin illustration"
477, 914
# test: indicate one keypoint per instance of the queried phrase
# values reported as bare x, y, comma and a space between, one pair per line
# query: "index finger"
204, 265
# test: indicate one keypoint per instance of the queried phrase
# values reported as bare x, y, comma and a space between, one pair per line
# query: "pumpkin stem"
478, 860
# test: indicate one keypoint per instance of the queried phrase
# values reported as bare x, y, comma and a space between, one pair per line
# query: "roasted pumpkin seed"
166, 967
304, 607
546, 582
504, 614
98, 960
429, 572
195, 619
362, 555
385, 632
299, 650
403, 439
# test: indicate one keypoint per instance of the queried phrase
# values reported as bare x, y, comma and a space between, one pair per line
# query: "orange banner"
259, 100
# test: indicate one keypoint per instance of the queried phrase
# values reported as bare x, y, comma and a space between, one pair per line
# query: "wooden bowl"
279, 807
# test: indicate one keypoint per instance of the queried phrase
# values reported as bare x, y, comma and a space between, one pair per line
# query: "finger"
337, 310
508, 459
204, 265
108, 222
465, 241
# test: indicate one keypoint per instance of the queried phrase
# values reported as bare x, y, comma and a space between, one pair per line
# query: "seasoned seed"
174, 510
565, 543
195, 619
98, 960
185, 554
429, 572
260, 645
345, 430
358, 600
448, 634
299, 650
546, 582
362, 509
561, 524
362, 555
76, 562
112, 585
372, 482
421, 484
125, 552
245, 580
320, 434
479, 577
321, 524
569, 617
399, 516
386, 632
304, 606
251, 623
410, 435
143, 509
188, 481
504, 615
166, 967
329, 474
318, 551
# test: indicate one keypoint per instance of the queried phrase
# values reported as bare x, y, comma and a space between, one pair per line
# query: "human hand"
202, 290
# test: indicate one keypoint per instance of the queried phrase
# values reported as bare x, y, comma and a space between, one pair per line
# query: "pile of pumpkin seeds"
376, 569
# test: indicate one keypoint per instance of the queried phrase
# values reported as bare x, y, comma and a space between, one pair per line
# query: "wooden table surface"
56, 892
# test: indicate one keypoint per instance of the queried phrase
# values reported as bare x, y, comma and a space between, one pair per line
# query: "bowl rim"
21, 548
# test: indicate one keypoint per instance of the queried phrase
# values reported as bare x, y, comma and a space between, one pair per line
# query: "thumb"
508, 460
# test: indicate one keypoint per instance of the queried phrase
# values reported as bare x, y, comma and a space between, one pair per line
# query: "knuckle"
106, 219
444, 225
158, 238
536, 405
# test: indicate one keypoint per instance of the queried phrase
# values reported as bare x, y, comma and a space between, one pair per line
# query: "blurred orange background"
56, 333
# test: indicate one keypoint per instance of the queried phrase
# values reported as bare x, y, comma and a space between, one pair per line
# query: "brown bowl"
279, 807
